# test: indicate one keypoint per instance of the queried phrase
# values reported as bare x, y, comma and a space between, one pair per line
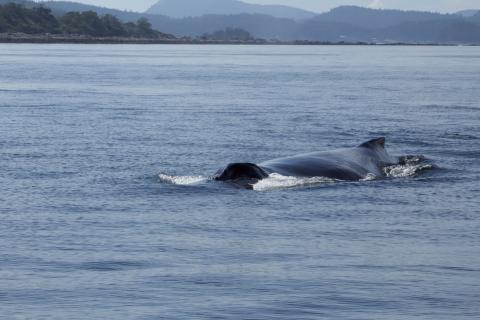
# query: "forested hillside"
40, 20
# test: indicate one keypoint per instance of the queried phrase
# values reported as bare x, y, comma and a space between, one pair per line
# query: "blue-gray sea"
107, 210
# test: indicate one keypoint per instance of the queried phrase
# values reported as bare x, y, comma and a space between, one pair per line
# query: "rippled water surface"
107, 211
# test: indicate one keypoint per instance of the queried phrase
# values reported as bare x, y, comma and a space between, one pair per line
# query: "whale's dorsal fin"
375, 143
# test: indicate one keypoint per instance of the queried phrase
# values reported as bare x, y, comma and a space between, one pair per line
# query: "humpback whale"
351, 164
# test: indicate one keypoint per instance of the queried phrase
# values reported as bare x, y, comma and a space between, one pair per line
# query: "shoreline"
61, 39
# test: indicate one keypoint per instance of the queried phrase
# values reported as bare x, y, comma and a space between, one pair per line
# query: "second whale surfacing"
352, 164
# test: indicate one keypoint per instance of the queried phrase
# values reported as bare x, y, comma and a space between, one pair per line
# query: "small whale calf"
350, 164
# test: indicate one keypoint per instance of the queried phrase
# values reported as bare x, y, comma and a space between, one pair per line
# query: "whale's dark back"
344, 164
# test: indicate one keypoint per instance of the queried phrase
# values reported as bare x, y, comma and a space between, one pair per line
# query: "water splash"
409, 166
181, 180
277, 181
369, 177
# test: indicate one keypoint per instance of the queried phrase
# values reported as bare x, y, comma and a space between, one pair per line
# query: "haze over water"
91, 231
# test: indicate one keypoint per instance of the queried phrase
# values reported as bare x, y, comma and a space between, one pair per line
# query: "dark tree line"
229, 34
40, 20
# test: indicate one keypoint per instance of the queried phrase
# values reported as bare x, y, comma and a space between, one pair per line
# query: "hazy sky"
320, 5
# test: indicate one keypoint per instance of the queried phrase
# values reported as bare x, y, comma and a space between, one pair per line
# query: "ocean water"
107, 210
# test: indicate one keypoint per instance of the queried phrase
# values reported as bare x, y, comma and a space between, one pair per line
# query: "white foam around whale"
277, 181
407, 170
411, 167
181, 180
369, 177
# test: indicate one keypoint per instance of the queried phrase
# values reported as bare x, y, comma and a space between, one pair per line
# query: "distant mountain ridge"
197, 8
347, 23
66, 6
351, 23
378, 18
468, 13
